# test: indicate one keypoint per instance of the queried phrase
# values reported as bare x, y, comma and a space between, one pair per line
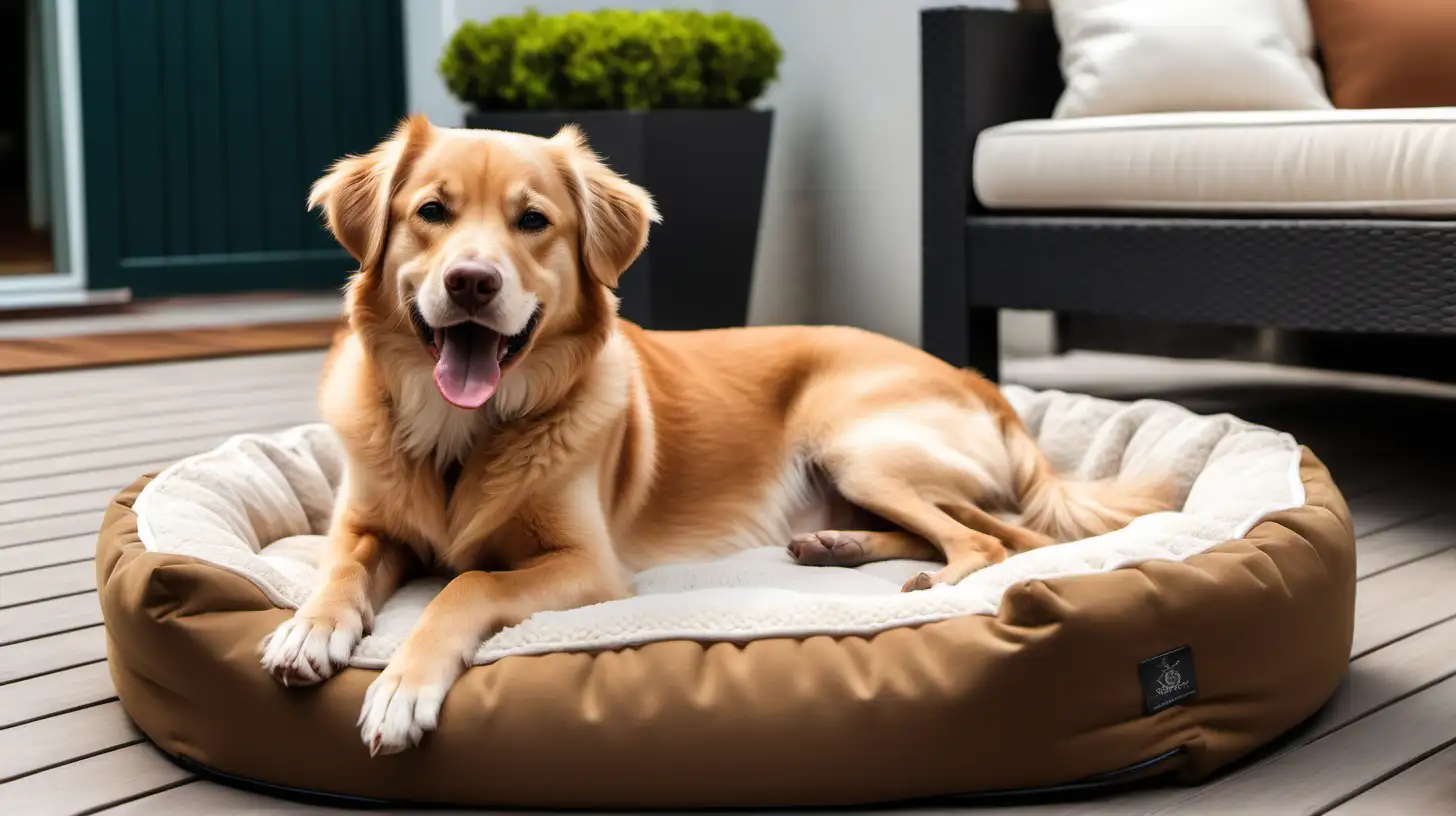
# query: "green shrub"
610, 60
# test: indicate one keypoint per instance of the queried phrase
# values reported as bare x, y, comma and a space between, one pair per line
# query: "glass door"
42, 259
26, 222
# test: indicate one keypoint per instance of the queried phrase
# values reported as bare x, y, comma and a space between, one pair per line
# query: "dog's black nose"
472, 284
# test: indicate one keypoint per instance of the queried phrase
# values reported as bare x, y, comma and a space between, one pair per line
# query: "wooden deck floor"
1385, 745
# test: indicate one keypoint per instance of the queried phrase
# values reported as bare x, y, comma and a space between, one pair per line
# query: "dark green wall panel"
205, 122
278, 63
316, 97
176, 141
97, 22
201, 118
143, 219
244, 118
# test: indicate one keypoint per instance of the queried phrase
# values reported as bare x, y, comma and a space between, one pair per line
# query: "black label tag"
1168, 678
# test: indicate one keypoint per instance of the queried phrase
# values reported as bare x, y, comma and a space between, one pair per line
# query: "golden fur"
607, 448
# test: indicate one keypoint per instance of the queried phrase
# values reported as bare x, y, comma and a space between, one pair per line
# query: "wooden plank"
55, 693
1355, 482
1326, 771
46, 583
155, 394
1386, 675
20, 429
1427, 787
152, 316
121, 430
111, 479
202, 796
55, 506
43, 655
121, 446
92, 783
48, 529
1393, 547
1402, 600
157, 274
1370, 468
64, 738
1396, 505
1377, 678
47, 554
48, 617
1375, 681
28, 390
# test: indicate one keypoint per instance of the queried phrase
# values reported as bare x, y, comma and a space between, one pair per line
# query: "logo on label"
1168, 678
1170, 681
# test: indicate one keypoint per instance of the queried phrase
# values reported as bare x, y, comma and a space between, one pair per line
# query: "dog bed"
1176, 645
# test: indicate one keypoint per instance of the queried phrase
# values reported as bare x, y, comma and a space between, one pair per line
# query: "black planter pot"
705, 168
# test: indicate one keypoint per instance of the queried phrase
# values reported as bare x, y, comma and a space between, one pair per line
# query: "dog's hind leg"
927, 470
851, 548
1012, 535
898, 502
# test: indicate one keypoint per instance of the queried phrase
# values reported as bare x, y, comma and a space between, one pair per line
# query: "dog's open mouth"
469, 357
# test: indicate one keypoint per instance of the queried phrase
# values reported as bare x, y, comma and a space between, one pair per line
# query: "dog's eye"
532, 221
433, 212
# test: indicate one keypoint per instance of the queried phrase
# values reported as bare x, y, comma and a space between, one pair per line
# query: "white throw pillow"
1155, 56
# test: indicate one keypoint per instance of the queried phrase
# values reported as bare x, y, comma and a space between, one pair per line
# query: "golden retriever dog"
503, 426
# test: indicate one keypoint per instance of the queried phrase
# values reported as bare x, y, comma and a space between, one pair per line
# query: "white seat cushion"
1399, 162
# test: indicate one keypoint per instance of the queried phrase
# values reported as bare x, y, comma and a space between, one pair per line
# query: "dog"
502, 425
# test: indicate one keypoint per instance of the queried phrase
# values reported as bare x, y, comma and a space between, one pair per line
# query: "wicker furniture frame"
983, 67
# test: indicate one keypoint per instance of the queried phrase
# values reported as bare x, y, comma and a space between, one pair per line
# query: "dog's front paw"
308, 650
397, 712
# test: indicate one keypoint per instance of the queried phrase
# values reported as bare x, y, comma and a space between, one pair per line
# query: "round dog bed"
1176, 645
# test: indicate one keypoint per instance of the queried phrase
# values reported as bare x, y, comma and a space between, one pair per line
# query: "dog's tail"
1068, 510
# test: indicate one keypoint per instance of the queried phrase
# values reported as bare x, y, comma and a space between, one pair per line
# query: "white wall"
840, 241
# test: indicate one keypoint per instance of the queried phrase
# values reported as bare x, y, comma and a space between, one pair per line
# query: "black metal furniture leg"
968, 83
983, 342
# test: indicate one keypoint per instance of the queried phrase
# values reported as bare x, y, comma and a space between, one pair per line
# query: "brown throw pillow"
1387, 53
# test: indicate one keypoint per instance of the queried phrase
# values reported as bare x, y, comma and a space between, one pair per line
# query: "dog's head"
476, 247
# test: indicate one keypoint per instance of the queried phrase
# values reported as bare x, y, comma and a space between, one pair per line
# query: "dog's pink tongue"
469, 368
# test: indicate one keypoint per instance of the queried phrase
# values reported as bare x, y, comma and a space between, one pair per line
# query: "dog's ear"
356, 192
615, 214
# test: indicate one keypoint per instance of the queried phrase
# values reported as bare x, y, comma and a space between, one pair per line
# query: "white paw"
396, 713
304, 651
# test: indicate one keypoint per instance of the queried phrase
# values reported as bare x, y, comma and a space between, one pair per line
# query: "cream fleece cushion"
258, 504
1156, 56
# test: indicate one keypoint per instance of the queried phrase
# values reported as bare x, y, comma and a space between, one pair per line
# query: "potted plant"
664, 97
